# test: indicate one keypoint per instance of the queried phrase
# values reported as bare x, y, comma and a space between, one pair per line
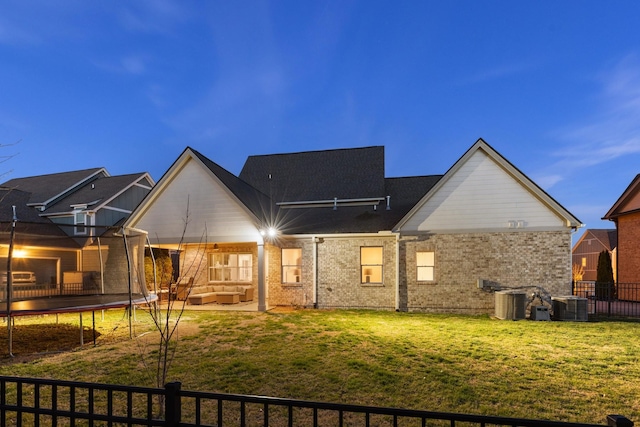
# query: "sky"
553, 86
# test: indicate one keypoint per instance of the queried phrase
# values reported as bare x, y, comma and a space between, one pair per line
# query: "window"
227, 267
371, 264
80, 222
425, 263
291, 265
584, 261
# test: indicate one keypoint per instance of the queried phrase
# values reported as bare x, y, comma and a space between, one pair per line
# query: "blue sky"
554, 86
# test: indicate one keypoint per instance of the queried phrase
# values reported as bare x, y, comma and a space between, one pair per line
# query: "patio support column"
262, 306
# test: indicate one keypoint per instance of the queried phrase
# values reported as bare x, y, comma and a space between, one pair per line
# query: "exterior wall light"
269, 232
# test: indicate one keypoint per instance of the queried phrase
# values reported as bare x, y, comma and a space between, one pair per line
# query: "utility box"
570, 308
510, 305
539, 312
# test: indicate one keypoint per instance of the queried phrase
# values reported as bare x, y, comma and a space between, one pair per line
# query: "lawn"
565, 371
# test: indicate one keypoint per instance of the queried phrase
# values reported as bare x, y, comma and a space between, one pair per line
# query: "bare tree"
166, 318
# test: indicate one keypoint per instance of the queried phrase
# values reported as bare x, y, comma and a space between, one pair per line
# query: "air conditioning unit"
510, 305
570, 308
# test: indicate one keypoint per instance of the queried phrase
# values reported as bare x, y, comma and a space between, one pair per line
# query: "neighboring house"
587, 250
59, 216
625, 213
328, 229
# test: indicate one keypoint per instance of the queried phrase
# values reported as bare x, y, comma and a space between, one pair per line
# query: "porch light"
269, 232
19, 253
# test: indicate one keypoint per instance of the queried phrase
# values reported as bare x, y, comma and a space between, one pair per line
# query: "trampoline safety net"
63, 267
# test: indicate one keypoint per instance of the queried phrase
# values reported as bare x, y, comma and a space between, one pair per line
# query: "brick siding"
628, 248
510, 260
506, 259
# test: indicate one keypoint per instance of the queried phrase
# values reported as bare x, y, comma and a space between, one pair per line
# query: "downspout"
314, 298
397, 271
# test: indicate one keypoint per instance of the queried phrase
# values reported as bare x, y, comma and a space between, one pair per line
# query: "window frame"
371, 266
295, 267
428, 267
80, 227
212, 268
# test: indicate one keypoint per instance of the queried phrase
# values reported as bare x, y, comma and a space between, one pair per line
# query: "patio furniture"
228, 297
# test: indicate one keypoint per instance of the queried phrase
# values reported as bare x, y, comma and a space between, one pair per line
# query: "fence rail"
36, 402
610, 299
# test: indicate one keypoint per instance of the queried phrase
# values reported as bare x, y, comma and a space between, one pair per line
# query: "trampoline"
72, 304
69, 272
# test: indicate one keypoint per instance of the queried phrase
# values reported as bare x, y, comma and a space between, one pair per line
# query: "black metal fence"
40, 402
610, 299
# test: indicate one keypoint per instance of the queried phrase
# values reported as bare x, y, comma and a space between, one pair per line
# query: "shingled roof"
31, 228
46, 189
608, 237
94, 193
354, 178
259, 204
318, 175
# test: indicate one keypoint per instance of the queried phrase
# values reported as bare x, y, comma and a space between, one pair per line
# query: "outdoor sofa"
222, 294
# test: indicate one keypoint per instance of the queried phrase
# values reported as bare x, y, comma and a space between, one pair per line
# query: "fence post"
618, 421
172, 404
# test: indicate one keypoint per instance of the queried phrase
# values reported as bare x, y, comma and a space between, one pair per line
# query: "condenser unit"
570, 308
510, 305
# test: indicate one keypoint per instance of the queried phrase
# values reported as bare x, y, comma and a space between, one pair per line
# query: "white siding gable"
482, 196
193, 191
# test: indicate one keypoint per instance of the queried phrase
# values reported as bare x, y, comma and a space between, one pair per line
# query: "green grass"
566, 371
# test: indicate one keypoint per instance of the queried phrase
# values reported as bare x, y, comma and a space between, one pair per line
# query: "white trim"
111, 208
343, 235
483, 230
119, 193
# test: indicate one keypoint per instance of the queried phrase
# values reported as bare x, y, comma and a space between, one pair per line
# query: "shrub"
605, 287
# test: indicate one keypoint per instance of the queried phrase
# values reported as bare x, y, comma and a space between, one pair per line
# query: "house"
60, 216
329, 229
587, 250
625, 214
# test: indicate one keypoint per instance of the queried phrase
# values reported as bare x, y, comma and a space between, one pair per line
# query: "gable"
191, 194
483, 192
631, 204
628, 202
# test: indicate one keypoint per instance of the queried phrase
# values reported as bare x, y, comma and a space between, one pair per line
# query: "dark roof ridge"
316, 151
416, 176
